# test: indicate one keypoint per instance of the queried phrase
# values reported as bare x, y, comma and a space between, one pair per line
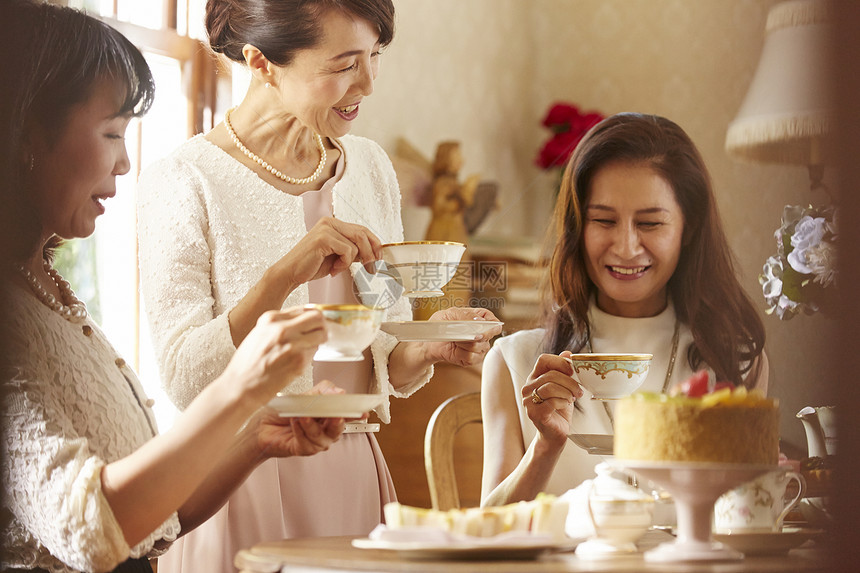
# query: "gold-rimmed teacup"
423, 267
350, 329
610, 376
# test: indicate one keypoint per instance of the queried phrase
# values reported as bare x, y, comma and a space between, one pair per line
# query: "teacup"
350, 329
610, 376
758, 505
423, 267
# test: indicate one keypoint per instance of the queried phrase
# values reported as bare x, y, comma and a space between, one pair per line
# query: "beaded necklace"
271, 169
70, 307
75, 311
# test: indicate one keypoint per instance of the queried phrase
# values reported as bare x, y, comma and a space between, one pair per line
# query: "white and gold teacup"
350, 329
423, 267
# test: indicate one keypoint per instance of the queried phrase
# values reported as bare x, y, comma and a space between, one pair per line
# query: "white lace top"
209, 228
72, 407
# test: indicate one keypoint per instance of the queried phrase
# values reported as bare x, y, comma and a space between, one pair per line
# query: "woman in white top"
277, 206
640, 264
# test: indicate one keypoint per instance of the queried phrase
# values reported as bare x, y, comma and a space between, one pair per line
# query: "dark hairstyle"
52, 58
728, 334
280, 28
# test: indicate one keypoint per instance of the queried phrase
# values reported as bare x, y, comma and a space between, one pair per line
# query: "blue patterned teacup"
610, 376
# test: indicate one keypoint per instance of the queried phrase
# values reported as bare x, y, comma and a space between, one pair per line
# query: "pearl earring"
268, 85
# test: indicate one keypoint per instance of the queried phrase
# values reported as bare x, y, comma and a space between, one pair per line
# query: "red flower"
568, 126
557, 150
560, 114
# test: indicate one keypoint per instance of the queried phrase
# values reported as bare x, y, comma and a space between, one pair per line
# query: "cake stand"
695, 488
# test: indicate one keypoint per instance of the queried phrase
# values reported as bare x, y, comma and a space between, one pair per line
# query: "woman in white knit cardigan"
277, 206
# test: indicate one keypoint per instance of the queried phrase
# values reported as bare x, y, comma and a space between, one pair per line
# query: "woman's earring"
268, 85
32, 162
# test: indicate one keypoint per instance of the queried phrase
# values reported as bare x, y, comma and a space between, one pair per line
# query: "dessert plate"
439, 330
482, 548
597, 444
767, 543
325, 405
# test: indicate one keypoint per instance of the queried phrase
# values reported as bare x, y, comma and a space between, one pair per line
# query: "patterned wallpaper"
484, 72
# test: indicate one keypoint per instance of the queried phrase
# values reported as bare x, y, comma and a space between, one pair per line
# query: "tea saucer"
767, 542
439, 330
325, 405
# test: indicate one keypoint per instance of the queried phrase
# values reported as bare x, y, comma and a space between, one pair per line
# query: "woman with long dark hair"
640, 264
88, 485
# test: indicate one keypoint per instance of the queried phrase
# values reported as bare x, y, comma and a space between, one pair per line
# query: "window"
103, 268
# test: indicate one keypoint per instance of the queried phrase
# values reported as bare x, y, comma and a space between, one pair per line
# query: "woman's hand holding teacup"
276, 350
549, 395
329, 248
462, 353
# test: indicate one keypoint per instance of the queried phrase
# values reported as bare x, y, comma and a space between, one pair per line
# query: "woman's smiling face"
324, 85
75, 170
633, 234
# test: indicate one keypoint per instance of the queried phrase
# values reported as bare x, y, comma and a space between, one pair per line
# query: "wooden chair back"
447, 420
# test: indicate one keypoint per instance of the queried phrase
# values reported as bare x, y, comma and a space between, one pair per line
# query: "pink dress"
337, 492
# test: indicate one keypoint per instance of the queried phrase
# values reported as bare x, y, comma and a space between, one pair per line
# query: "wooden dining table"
337, 554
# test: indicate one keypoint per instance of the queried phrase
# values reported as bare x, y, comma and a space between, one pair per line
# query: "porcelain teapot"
820, 426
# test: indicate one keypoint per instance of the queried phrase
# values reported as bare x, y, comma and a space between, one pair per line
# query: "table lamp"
786, 114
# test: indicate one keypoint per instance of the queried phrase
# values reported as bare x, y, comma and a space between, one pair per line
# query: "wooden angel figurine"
449, 197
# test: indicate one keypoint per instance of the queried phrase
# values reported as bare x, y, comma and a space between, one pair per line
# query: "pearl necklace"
259, 160
76, 311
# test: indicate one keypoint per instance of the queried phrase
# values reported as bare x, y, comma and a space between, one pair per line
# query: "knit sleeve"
53, 487
192, 344
52, 477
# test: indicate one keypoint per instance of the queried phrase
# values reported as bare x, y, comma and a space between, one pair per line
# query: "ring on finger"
536, 397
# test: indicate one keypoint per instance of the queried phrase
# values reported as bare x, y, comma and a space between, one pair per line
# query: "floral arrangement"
568, 125
795, 280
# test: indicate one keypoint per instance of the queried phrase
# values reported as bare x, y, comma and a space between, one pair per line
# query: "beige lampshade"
787, 110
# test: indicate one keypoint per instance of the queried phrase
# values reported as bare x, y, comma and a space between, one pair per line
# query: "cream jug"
820, 426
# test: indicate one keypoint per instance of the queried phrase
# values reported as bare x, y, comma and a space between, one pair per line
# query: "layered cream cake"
730, 425
545, 515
